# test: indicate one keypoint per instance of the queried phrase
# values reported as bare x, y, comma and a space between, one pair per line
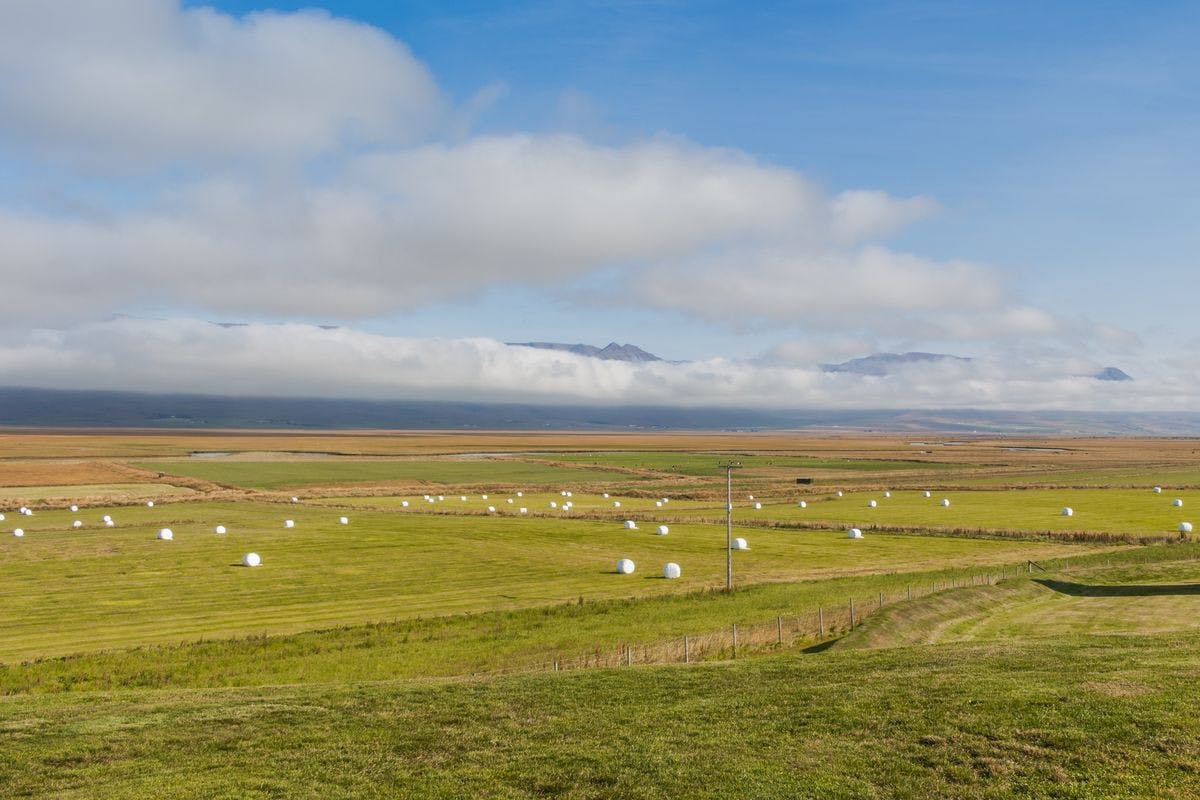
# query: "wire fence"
784, 631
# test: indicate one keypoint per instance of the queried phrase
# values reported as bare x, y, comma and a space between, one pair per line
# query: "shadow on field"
1128, 590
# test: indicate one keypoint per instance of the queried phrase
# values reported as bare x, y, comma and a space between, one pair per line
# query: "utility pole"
729, 467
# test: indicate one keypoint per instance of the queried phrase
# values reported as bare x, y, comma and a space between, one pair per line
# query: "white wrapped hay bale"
927, 495
839, 493
1177, 503
1067, 511
658, 503
483, 497
110, 524
758, 506
854, 533
630, 525
616, 503
77, 523
887, 495
749, 497
18, 532
219, 529
522, 510
520, 494
625, 566
1158, 490
1, 517
802, 504
491, 509
945, 502
289, 523
872, 504
404, 504
606, 495
1185, 527
740, 544
72, 508
553, 504
441, 498
663, 530
149, 504
509, 501
671, 571
462, 497
295, 499
106, 518
166, 534
343, 520
251, 560
665, 500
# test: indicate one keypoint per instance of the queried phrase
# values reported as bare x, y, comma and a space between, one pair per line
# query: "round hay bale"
616, 503
1177, 503
73, 508
553, 504
404, 504
219, 529
18, 532
522, 510
166, 534
77, 524
663, 530
887, 494
251, 560
149, 504
520, 494
106, 518
740, 544
945, 502
343, 520
1185, 527
295, 499
110, 524
749, 497
625, 566
1158, 490
802, 504
491, 509
671, 571
854, 533
872, 504
927, 494
462, 497
758, 506
1, 517
658, 503
1067, 511
289, 523
606, 495
839, 494
666, 500
510, 501
630, 525
483, 497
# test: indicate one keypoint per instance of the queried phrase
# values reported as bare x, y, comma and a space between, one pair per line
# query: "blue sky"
1036, 160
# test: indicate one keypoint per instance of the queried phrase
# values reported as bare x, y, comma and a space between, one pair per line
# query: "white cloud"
143, 83
304, 360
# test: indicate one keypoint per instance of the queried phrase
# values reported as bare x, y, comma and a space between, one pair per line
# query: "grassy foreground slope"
1082, 717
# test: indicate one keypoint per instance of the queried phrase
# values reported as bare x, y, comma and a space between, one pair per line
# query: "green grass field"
410, 652
1134, 511
329, 472
705, 464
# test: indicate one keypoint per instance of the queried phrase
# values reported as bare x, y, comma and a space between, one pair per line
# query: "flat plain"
444, 643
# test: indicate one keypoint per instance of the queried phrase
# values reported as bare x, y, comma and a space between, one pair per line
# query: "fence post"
821, 621
556, 665
628, 656
735, 640
687, 653
881, 599
851, 612
779, 629
910, 592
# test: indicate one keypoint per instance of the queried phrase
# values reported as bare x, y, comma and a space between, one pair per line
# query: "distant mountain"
880, 364
1112, 374
883, 363
85, 409
610, 352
